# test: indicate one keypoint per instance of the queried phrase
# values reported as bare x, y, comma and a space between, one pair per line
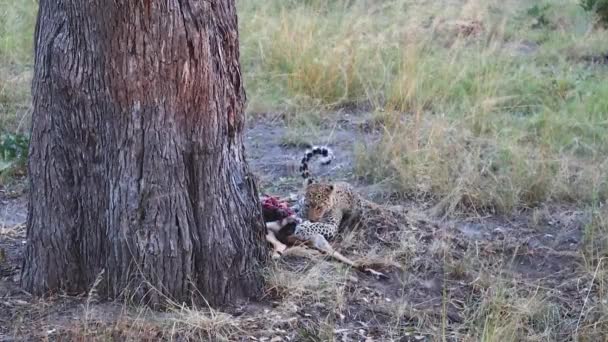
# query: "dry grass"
451, 289
111, 321
13, 231
461, 170
478, 110
204, 323
447, 287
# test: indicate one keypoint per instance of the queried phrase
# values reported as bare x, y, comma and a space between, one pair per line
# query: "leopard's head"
318, 198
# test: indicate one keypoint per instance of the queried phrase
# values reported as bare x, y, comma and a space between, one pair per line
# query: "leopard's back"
345, 198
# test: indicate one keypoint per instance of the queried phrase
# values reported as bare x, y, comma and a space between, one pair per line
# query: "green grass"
17, 19
470, 119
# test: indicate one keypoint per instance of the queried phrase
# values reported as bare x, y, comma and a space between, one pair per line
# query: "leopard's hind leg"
320, 243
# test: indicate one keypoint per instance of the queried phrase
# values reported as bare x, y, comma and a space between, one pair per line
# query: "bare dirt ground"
443, 276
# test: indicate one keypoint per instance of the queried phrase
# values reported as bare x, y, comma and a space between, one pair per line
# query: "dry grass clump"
207, 324
101, 321
507, 313
445, 160
12, 231
593, 316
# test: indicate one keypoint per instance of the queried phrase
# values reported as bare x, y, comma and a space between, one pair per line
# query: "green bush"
539, 14
13, 150
599, 8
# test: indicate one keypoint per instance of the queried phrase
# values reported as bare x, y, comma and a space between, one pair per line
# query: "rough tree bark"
136, 161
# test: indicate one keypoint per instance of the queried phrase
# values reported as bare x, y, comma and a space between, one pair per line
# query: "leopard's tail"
326, 157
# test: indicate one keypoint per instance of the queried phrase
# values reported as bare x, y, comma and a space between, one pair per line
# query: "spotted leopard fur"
324, 205
326, 157
327, 205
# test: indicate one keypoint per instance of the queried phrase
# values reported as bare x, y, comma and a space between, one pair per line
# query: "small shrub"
13, 150
13, 146
539, 15
599, 8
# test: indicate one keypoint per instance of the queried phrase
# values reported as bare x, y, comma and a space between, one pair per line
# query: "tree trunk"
136, 163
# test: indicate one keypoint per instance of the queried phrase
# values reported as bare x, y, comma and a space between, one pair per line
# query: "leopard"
325, 206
